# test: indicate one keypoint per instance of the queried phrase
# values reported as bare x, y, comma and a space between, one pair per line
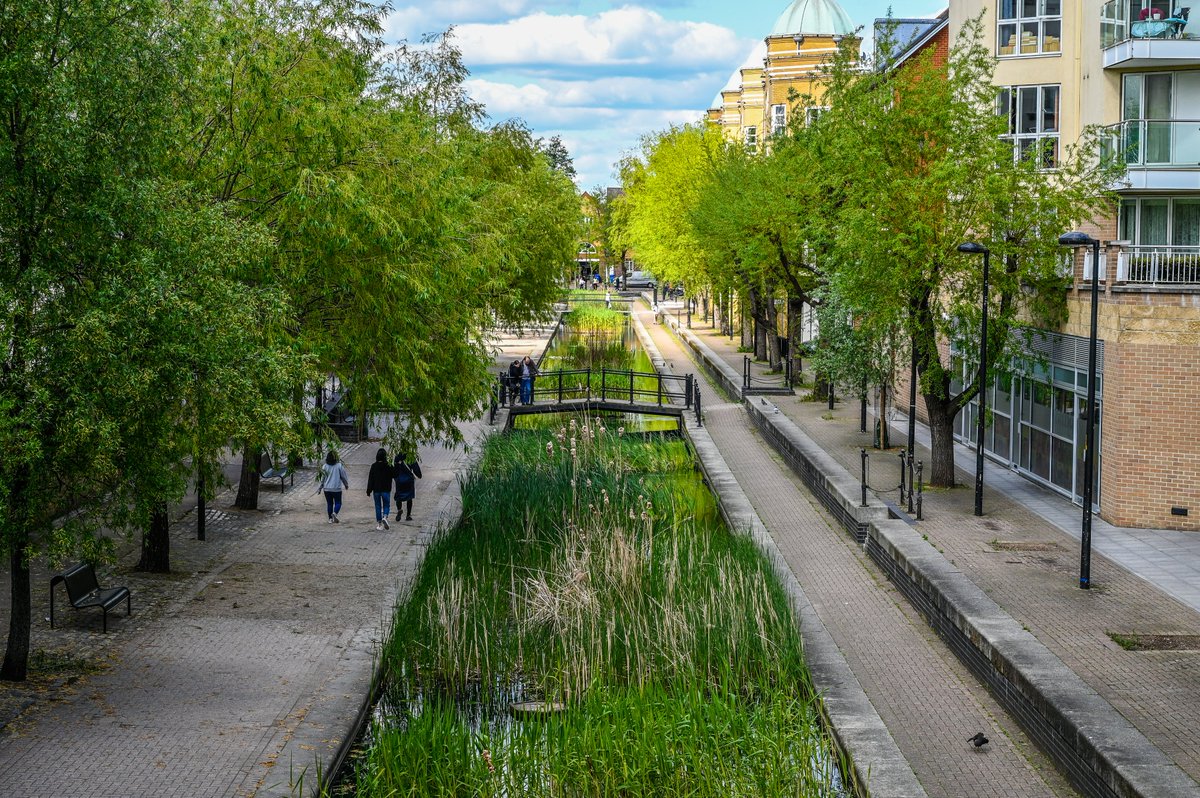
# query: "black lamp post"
1076, 240
972, 248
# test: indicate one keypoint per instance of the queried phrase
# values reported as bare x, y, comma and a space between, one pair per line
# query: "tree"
95, 246
921, 154
557, 154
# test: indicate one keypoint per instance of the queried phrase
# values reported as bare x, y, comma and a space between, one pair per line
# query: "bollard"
862, 414
745, 371
863, 453
902, 473
920, 489
699, 417
911, 462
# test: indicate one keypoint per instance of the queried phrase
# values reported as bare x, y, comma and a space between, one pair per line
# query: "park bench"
281, 473
84, 591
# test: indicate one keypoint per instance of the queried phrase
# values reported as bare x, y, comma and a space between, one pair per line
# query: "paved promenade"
1023, 553
241, 670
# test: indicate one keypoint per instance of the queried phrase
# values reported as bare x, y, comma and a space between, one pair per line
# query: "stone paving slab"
1028, 565
928, 700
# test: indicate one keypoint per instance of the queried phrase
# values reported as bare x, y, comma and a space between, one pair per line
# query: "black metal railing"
606, 385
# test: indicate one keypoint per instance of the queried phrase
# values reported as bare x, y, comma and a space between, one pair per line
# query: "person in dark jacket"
379, 484
514, 380
406, 473
529, 371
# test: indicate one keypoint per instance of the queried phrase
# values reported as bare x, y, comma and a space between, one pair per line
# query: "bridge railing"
607, 385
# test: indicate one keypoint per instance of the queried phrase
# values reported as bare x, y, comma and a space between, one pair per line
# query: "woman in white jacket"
333, 479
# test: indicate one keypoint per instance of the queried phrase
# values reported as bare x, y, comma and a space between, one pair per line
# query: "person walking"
608, 298
333, 479
406, 473
529, 370
379, 484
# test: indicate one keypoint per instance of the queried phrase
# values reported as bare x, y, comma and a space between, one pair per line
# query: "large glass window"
1028, 27
1033, 121
1160, 221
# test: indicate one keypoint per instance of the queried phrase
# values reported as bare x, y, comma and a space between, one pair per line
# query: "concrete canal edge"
1098, 748
851, 719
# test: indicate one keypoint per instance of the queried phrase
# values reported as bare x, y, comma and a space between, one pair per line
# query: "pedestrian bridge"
601, 390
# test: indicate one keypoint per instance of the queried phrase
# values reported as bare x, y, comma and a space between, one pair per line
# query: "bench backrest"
80, 581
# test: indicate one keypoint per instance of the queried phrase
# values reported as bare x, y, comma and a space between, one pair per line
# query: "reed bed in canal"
590, 576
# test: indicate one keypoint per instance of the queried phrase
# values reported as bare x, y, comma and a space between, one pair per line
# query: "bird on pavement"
979, 740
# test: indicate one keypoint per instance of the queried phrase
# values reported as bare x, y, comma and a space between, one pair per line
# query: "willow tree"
103, 299
925, 164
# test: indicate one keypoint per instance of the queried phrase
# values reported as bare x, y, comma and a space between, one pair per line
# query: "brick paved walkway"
240, 670
1028, 565
928, 700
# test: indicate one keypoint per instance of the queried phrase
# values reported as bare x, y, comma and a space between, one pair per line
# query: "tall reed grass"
589, 568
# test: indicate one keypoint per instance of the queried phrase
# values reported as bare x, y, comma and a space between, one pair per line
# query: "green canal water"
591, 628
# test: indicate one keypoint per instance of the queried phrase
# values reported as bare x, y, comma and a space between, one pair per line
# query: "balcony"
1159, 266
1159, 154
1158, 36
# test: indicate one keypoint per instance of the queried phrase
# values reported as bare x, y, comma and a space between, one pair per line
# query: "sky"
603, 74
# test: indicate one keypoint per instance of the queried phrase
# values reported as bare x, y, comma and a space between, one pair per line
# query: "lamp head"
1076, 239
972, 248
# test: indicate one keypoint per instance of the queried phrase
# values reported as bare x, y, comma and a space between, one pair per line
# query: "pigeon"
979, 740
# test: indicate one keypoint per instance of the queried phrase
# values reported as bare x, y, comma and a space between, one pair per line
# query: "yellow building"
758, 98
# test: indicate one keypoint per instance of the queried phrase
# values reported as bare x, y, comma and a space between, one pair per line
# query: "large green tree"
924, 164
95, 250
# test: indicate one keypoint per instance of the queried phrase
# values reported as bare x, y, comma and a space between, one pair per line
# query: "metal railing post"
699, 416
863, 454
659, 388
903, 470
911, 467
745, 371
603, 384
920, 489
687, 398
560, 372
631, 386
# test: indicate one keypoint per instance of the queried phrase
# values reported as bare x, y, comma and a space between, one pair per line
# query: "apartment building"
1133, 67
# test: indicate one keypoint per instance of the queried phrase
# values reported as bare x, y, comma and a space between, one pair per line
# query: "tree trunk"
704, 305
16, 655
941, 441
746, 323
156, 543
771, 317
247, 495
795, 332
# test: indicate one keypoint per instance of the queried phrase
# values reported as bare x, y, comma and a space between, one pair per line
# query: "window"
1160, 221
778, 118
811, 115
1033, 121
751, 134
1028, 27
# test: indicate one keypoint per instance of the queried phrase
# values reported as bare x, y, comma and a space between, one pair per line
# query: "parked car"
640, 280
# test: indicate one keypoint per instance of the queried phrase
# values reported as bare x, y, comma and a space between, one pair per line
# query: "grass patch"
590, 568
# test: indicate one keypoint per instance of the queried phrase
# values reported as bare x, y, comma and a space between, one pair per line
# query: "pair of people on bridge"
521, 374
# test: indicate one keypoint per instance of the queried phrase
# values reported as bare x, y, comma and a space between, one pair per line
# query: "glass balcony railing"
1154, 143
1121, 20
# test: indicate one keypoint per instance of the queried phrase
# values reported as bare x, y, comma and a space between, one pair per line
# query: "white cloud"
625, 36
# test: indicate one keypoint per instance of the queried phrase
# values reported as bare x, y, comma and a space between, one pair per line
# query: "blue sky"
603, 74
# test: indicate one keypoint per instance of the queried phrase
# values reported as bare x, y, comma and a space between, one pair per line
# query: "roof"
908, 35
815, 17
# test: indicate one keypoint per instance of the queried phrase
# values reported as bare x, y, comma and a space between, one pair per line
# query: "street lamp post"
972, 248
1076, 240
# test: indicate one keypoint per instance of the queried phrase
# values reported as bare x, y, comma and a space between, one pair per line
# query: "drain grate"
1132, 642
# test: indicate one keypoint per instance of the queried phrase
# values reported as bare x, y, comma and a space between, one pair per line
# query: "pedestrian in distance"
514, 380
379, 485
608, 298
529, 371
406, 472
333, 479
